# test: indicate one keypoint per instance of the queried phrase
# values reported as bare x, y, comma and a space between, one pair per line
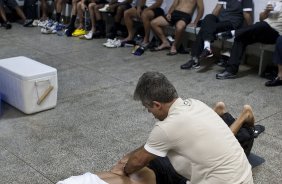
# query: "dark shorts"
165, 173
179, 15
9, 3
245, 135
101, 2
157, 11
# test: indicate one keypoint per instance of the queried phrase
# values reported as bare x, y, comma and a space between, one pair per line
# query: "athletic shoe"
275, 82
108, 41
78, 32
6, 25
113, 44
28, 22
88, 36
35, 23
190, 64
69, 31
43, 23
225, 35
225, 75
46, 31
105, 8
206, 54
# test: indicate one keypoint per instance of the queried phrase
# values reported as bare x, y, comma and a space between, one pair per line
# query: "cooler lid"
26, 68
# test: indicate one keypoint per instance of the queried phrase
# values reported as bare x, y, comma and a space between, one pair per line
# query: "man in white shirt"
197, 142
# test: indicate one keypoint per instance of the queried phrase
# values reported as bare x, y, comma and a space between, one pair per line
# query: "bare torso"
186, 6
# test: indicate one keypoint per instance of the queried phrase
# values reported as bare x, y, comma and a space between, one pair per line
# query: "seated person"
13, 5
118, 7
71, 27
5, 22
97, 23
227, 15
277, 59
145, 11
179, 15
269, 26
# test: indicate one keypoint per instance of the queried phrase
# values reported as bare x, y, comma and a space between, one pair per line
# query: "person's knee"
147, 15
91, 6
180, 25
129, 13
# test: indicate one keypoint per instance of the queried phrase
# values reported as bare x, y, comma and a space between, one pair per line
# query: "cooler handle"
46, 92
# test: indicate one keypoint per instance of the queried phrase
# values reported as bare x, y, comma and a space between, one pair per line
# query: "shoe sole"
222, 78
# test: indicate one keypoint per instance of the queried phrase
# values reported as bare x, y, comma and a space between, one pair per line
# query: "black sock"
58, 17
99, 25
72, 21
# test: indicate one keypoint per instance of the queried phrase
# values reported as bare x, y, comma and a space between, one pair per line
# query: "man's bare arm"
217, 9
173, 6
200, 11
248, 17
137, 160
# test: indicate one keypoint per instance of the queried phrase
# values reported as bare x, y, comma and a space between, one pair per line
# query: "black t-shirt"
233, 11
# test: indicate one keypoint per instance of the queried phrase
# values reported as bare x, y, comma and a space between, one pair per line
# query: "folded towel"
87, 178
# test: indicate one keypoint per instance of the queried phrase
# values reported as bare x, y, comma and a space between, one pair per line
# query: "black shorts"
12, 4
179, 15
245, 135
101, 2
165, 173
157, 11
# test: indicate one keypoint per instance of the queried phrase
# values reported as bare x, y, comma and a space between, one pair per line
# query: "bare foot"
220, 108
248, 115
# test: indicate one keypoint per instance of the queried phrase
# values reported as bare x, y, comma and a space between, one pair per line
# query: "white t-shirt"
199, 145
275, 17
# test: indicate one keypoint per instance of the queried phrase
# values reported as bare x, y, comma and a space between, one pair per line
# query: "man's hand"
168, 17
118, 169
269, 7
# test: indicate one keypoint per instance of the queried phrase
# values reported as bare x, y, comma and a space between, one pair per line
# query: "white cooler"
28, 85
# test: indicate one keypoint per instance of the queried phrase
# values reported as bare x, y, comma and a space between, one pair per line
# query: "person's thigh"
158, 12
160, 21
164, 172
222, 26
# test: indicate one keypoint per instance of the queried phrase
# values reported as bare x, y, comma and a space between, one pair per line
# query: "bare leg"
180, 26
98, 14
128, 16
44, 9
80, 14
20, 13
144, 176
3, 14
147, 16
246, 117
92, 16
157, 25
280, 71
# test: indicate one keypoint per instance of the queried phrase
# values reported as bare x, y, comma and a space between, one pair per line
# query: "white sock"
207, 45
233, 32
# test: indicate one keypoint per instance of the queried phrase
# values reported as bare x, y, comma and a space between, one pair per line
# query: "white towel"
87, 178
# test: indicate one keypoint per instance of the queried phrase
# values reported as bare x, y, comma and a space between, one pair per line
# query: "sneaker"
206, 54
35, 23
275, 82
28, 22
88, 36
6, 25
79, 32
58, 27
225, 35
105, 8
225, 75
69, 31
113, 44
43, 23
46, 31
190, 64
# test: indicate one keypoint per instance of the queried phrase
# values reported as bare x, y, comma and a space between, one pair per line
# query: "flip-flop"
172, 53
258, 130
155, 49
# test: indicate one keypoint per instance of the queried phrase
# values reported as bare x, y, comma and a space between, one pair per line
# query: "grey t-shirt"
233, 11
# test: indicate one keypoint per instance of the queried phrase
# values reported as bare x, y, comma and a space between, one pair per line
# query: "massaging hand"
118, 169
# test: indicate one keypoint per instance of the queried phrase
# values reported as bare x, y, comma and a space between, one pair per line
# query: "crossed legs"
246, 116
